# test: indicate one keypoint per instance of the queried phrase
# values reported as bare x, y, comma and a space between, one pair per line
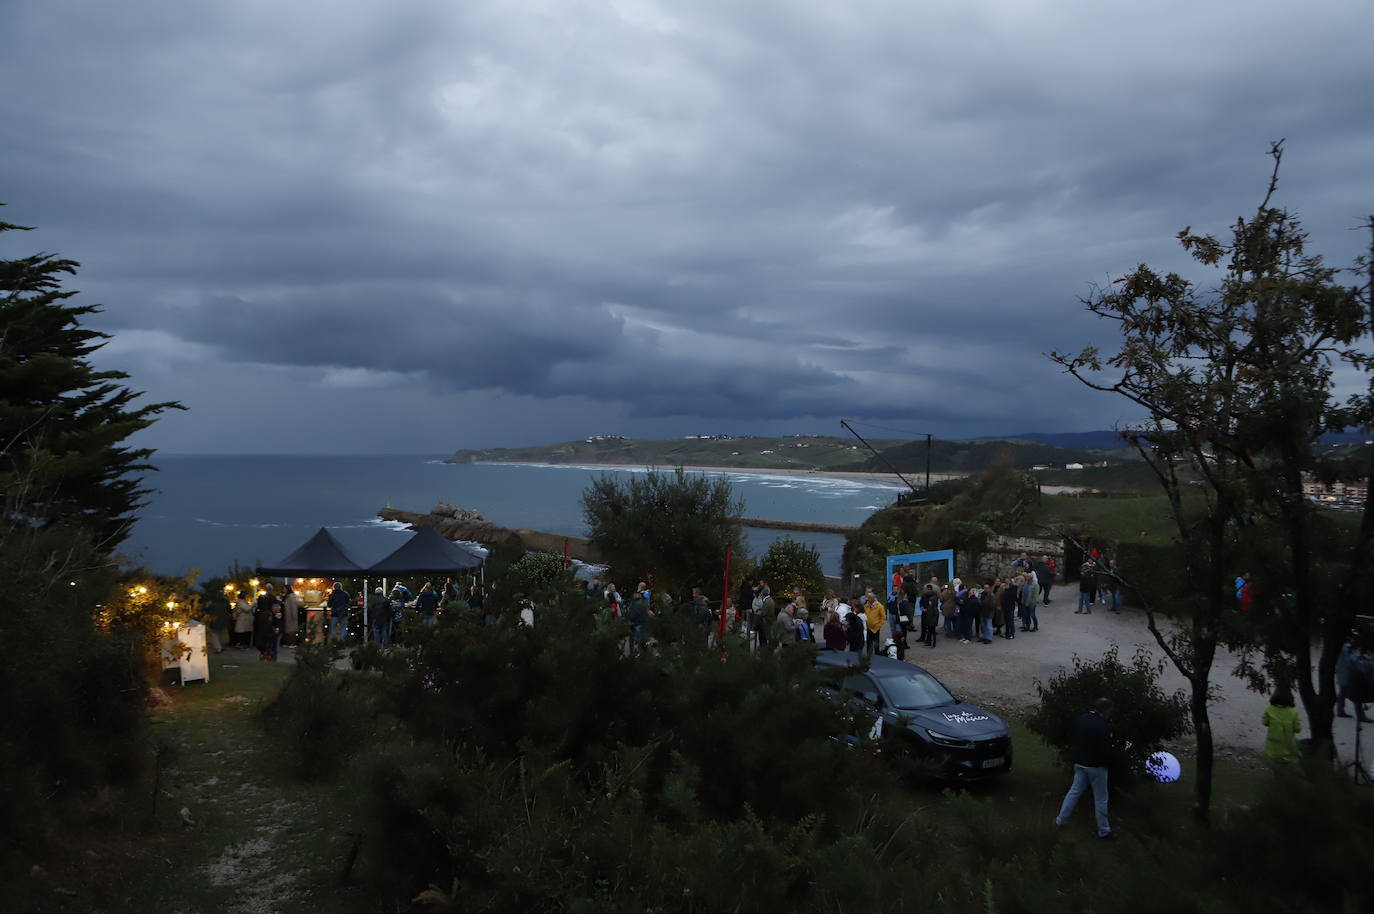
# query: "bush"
671, 530
72, 738
527, 761
320, 713
1327, 867
790, 565
535, 572
1144, 718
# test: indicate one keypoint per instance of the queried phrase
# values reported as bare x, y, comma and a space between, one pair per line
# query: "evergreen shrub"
791, 565
321, 713
1144, 717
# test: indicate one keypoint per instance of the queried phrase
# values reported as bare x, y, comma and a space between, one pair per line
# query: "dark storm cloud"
729, 212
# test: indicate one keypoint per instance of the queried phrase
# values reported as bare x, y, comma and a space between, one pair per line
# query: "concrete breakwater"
473, 528
461, 524
801, 525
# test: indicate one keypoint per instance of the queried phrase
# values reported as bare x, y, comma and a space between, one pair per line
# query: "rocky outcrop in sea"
457, 523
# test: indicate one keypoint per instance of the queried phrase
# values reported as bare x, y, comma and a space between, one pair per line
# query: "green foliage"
547, 770
536, 572
1237, 377
528, 760
71, 738
1273, 856
791, 565
869, 549
671, 530
321, 713
62, 423
969, 456
1144, 718
971, 511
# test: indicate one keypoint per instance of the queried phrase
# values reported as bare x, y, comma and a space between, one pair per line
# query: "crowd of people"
918, 613
275, 620
911, 613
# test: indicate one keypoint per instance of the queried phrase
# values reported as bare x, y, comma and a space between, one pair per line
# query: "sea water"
208, 512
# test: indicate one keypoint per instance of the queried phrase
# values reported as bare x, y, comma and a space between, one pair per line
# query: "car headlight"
944, 739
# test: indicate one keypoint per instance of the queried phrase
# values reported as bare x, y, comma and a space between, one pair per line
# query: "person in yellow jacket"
875, 617
1281, 742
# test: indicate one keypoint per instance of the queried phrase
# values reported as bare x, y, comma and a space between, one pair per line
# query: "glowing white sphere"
1164, 767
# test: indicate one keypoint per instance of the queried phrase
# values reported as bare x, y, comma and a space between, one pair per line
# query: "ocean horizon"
210, 511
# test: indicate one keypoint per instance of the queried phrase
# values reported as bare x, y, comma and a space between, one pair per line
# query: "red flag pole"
725, 597
565, 553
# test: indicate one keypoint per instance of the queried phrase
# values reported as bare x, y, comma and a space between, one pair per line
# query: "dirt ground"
1003, 674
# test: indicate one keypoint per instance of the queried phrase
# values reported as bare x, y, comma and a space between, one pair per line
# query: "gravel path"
1003, 673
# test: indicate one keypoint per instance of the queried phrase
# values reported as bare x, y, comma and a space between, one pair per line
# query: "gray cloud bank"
417, 225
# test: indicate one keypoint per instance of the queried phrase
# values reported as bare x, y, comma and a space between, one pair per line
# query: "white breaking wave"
215, 523
735, 474
477, 547
378, 522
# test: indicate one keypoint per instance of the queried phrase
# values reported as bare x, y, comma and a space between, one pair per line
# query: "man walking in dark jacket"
1087, 587
1091, 748
1044, 574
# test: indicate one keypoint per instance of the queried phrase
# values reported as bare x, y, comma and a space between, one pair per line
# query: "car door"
868, 702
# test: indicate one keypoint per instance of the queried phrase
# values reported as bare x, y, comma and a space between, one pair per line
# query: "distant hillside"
797, 453
971, 456
1106, 439
1103, 440
820, 453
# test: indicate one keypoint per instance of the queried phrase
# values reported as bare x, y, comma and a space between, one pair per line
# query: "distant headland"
813, 453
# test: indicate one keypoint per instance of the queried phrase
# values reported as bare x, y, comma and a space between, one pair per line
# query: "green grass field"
1143, 518
261, 840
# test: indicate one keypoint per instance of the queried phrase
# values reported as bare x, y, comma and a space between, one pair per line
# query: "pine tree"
63, 424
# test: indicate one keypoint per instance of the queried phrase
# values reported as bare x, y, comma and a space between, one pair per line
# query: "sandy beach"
887, 480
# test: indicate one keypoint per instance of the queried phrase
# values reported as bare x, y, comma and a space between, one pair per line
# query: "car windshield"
916, 689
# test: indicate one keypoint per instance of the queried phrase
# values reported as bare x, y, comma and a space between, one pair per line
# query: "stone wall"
1003, 550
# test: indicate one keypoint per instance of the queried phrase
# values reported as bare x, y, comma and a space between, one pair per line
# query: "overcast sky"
415, 226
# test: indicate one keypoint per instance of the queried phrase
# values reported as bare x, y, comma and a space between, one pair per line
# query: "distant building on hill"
1073, 466
1339, 492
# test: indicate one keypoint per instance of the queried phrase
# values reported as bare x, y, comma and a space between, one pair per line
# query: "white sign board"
185, 649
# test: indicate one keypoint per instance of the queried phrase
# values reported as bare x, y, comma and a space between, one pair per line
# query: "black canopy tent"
427, 552
324, 556
321, 555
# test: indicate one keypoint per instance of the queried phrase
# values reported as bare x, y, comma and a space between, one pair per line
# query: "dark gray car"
964, 741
